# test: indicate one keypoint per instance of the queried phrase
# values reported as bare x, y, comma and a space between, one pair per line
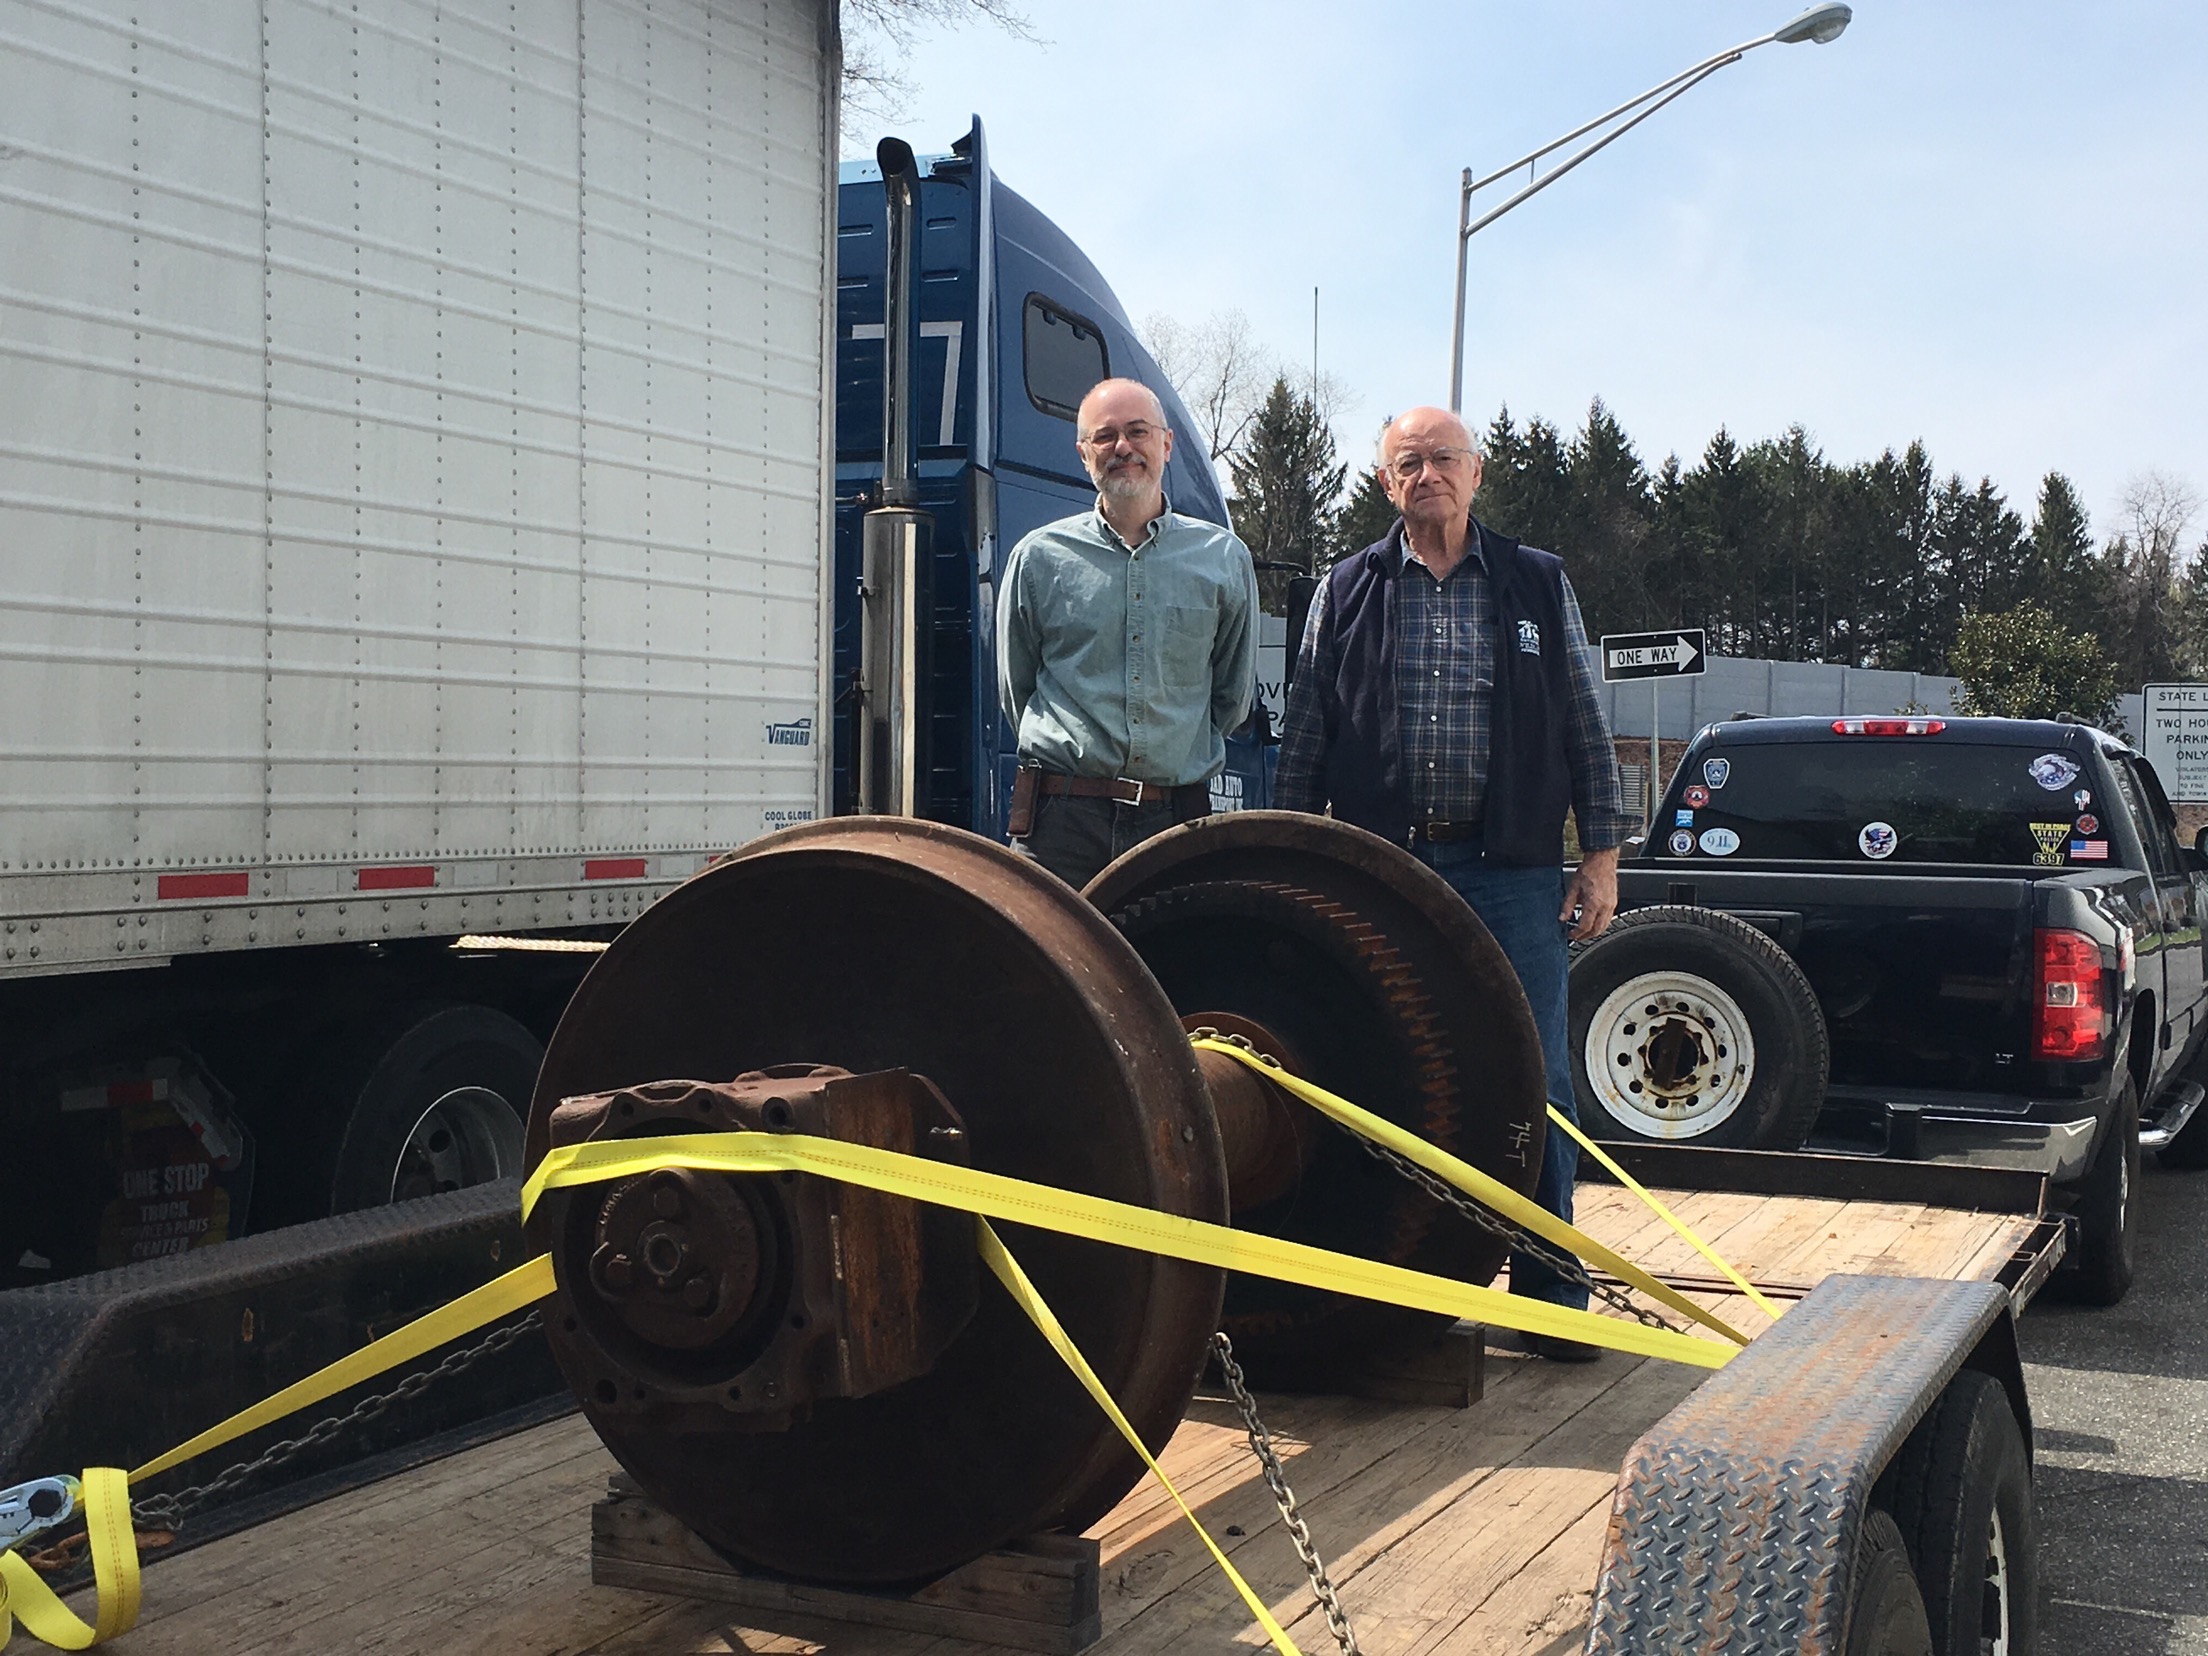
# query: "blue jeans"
1518, 905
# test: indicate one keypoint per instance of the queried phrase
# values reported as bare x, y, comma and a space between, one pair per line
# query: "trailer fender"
1739, 1517
111, 1368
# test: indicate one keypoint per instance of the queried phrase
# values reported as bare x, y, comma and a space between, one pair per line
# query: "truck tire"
1885, 1608
2107, 1211
437, 1103
1961, 1493
1691, 1026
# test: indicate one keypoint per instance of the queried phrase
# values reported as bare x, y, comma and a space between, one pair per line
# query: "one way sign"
1673, 654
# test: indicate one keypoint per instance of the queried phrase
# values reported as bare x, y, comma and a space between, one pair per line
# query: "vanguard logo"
797, 733
1529, 638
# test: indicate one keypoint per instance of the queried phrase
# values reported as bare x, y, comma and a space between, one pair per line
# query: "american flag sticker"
2089, 850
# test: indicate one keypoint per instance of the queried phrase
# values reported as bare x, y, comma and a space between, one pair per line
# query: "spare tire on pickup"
1691, 1026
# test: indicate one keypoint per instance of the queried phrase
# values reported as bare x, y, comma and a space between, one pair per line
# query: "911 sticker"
1682, 844
1720, 842
2050, 837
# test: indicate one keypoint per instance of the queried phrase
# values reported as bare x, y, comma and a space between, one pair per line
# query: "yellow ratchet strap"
1072, 1213
114, 1548
114, 1541
1662, 1212
1007, 1269
1489, 1192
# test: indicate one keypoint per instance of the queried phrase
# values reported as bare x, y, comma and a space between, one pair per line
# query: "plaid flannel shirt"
1445, 700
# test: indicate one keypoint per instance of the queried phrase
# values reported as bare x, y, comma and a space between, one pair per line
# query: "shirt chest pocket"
1184, 645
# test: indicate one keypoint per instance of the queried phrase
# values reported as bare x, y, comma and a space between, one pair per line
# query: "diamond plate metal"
1734, 1525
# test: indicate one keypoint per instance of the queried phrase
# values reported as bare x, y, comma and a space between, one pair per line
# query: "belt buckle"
1131, 782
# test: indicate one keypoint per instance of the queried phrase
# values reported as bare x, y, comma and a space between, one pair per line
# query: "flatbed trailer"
1479, 1529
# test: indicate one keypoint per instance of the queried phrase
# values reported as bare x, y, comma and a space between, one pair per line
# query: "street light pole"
1820, 23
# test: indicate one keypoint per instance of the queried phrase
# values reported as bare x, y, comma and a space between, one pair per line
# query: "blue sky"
1981, 224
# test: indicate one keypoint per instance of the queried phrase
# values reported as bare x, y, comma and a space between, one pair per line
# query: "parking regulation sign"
1676, 653
2176, 739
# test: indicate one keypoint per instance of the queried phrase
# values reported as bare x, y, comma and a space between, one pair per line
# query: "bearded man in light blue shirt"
1126, 650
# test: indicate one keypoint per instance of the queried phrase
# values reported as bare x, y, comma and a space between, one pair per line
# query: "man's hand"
1593, 892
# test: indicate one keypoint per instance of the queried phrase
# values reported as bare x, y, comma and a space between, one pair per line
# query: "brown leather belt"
1125, 789
1441, 833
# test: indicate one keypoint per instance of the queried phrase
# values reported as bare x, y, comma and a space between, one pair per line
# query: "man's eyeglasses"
1410, 463
1138, 434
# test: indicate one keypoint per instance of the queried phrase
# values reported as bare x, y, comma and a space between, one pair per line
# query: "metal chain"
1494, 1224
169, 1511
1563, 1264
1276, 1479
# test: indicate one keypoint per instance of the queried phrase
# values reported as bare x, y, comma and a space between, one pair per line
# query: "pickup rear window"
1904, 799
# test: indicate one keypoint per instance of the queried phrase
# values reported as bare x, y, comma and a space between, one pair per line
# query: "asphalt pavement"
2120, 1417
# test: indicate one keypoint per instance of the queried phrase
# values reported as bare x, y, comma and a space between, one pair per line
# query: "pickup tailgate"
1925, 979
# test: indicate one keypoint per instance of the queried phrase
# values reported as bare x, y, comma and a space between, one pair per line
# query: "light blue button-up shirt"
1128, 661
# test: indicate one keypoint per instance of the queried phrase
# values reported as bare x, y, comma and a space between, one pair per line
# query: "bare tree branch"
1218, 371
879, 34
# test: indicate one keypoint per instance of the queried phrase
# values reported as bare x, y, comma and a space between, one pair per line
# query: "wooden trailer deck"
1457, 1531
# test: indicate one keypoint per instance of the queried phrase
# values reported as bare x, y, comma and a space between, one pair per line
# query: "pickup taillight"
2070, 1011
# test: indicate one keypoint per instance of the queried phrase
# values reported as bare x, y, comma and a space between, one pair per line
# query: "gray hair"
1380, 442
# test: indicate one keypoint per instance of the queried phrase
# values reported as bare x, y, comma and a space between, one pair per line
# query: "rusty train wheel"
876, 944
1392, 994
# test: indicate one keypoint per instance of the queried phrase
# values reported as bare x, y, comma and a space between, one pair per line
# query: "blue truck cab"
1015, 326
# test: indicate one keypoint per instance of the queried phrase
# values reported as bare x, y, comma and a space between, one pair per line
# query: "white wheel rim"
1669, 1055
1993, 1619
467, 1137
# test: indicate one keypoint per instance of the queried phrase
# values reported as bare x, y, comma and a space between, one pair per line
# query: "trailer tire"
439, 1103
2107, 1211
1739, 1058
1961, 1492
1885, 1607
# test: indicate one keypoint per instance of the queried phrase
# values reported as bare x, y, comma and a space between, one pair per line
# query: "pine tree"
1287, 488
1367, 516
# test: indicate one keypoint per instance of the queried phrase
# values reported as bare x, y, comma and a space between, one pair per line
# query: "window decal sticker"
2089, 850
1720, 842
2050, 838
1682, 843
1877, 840
2054, 771
2088, 825
1696, 797
1714, 771
1682, 818
2082, 798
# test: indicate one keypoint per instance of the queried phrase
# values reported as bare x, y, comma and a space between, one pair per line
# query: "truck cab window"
1065, 356
2144, 796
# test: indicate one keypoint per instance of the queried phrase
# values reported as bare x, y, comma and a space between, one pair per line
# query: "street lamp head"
1819, 23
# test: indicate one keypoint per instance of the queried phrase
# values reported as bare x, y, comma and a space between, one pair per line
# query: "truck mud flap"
1738, 1515
113, 1368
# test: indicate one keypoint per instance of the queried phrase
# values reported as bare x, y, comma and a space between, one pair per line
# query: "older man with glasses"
1126, 650
1445, 698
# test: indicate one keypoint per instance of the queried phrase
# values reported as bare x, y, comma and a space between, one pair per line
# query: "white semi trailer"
413, 420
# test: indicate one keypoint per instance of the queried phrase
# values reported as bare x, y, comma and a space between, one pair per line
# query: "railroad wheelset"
813, 1376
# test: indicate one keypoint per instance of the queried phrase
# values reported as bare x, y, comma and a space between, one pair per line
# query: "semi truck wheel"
439, 1104
1691, 1026
1961, 1493
1885, 1606
2107, 1211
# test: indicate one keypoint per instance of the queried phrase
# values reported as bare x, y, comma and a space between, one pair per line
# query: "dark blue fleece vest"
1529, 785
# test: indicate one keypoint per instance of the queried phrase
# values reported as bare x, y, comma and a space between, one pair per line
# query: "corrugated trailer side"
411, 516
414, 420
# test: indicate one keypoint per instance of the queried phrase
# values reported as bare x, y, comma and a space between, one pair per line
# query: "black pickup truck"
1967, 940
